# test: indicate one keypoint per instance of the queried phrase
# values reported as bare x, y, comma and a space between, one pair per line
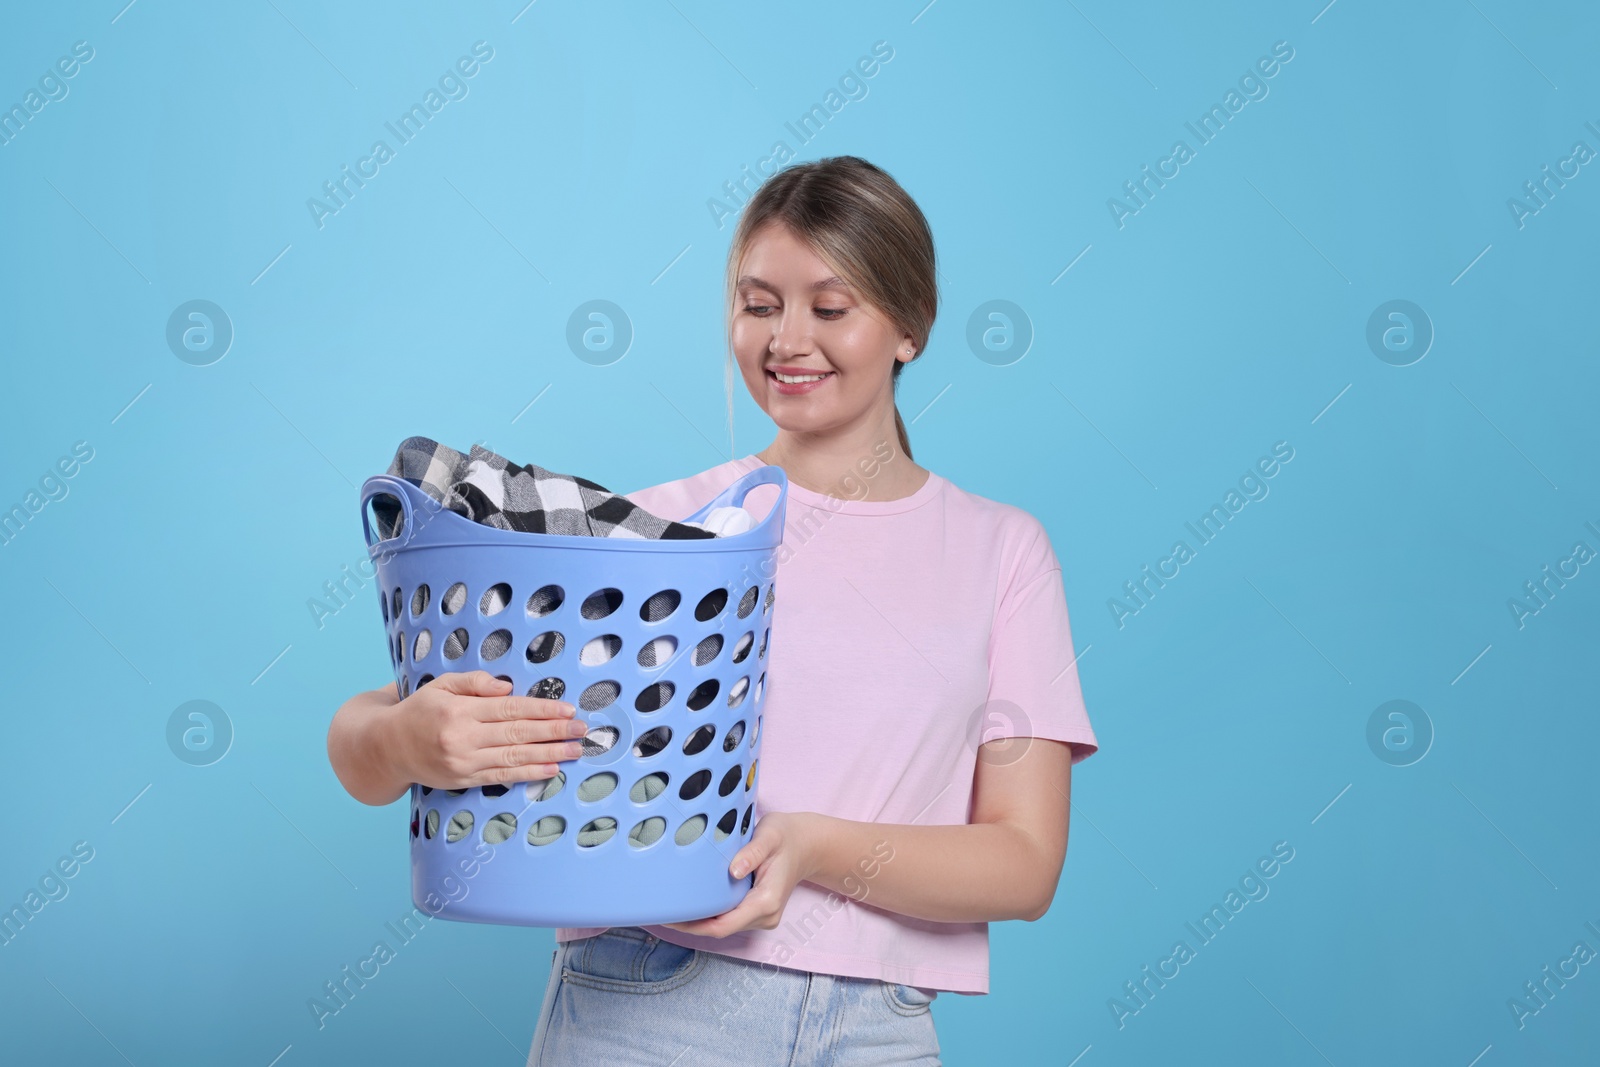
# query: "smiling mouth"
801, 379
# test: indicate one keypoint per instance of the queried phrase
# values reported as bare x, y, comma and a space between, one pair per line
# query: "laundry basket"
662, 647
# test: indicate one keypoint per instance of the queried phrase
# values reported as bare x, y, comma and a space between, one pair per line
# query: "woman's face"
791, 313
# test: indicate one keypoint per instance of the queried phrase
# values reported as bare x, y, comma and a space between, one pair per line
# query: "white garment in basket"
726, 521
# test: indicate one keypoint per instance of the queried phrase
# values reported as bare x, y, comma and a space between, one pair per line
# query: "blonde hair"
867, 228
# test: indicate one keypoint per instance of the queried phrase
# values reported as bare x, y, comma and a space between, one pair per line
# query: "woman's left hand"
782, 853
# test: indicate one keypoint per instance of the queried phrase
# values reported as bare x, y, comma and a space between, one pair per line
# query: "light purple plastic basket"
682, 768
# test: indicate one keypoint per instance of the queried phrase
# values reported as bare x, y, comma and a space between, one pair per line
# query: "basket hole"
397, 650
648, 788
652, 741
711, 605
744, 825
726, 824
763, 649
548, 688
496, 790
599, 741
454, 792
735, 734
424, 680
647, 832
495, 599
600, 603
599, 695
495, 645
707, 649
597, 786
500, 828
545, 600
395, 610
703, 694
419, 600
460, 825
737, 692
455, 646
597, 832
455, 598
600, 650
658, 651
546, 830
699, 740
742, 649
426, 789
660, 605
653, 697
430, 827
545, 647
383, 605
506, 678
747, 603
695, 784
405, 687
424, 645
542, 791
416, 821
691, 830
760, 682
750, 778
730, 780
772, 591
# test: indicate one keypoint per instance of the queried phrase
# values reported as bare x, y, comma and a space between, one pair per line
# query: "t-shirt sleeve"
1034, 689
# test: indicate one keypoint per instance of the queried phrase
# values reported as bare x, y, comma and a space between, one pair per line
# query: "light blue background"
1228, 314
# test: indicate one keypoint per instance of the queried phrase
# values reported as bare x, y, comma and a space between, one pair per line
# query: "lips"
796, 388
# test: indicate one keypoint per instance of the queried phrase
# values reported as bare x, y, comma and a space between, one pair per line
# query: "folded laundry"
487, 488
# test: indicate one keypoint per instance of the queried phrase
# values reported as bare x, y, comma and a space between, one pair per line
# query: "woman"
925, 708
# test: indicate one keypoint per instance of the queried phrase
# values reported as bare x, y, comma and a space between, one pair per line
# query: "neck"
874, 467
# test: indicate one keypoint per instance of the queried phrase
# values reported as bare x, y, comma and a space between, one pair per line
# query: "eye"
831, 313
756, 308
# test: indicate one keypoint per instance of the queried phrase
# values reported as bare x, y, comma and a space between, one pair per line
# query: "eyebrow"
834, 282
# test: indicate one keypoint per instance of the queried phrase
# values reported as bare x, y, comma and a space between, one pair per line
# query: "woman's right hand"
458, 731
468, 729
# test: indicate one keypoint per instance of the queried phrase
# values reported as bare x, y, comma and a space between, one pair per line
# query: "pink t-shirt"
904, 632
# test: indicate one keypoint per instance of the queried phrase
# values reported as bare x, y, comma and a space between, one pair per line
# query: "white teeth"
793, 379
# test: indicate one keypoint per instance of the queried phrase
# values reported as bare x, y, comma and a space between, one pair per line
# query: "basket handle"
734, 495
386, 485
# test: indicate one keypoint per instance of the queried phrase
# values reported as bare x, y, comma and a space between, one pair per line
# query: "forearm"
357, 753
975, 872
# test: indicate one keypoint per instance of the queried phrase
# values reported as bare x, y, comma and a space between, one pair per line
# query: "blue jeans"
629, 999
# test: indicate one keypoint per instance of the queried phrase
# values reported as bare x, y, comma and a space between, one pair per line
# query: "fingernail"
568, 710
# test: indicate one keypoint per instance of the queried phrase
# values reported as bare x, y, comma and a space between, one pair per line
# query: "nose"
791, 336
